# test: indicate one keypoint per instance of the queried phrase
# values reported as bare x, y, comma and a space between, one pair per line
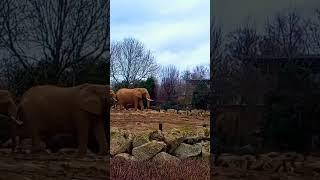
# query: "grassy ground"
187, 169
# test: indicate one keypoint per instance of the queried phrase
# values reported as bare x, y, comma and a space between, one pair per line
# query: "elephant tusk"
149, 99
19, 122
15, 120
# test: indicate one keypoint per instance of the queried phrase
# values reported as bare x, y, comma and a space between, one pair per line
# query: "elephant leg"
101, 137
35, 141
121, 106
83, 136
141, 105
135, 105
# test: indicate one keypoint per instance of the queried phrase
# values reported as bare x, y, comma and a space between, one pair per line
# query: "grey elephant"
114, 98
48, 110
133, 97
8, 109
7, 105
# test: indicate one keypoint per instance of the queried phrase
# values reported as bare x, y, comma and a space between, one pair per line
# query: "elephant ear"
137, 94
90, 101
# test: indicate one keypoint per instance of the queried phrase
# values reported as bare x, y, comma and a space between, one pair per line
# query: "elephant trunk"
148, 101
12, 110
16, 127
13, 113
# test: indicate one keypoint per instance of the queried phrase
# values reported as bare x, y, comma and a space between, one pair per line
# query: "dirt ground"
51, 166
66, 166
137, 121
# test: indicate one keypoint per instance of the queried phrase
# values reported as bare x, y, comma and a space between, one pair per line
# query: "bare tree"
131, 61
54, 35
200, 72
285, 36
169, 81
186, 75
314, 29
242, 44
216, 41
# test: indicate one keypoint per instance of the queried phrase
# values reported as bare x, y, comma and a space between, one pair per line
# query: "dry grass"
187, 169
143, 121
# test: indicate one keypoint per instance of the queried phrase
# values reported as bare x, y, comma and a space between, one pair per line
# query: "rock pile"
160, 146
193, 112
290, 162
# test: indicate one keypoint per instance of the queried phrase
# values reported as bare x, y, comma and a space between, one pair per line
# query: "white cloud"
183, 60
158, 34
176, 31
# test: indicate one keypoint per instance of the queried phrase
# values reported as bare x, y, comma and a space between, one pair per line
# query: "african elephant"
134, 96
49, 110
114, 98
7, 104
8, 108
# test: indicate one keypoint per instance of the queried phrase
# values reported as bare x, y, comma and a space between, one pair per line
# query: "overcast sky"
176, 31
231, 13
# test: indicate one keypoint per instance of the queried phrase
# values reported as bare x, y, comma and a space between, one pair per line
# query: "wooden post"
160, 126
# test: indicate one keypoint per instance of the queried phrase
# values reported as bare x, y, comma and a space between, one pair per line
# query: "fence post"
160, 126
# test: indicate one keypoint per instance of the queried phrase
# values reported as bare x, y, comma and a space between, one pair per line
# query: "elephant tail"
20, 115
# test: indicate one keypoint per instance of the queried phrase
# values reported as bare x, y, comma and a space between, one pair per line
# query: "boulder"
273, 154
125, 156
171, 110
157, 135
148, 150
140, 139
187, 150
173, 142
183, 131
204, 133
120, 142
67, 150
175, 131
192, 139
183, 112
247, 149
164, 157
27, 144
194, 112
7, 144
290, 155
231, 161
205, 151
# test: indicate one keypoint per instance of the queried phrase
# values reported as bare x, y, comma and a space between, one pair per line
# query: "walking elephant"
49, 110
134, 96
114, 98
7, 105
8, 109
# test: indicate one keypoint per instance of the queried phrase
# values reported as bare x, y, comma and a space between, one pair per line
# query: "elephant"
114, 98
134, 96
48, 110
8, 108
7, 105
